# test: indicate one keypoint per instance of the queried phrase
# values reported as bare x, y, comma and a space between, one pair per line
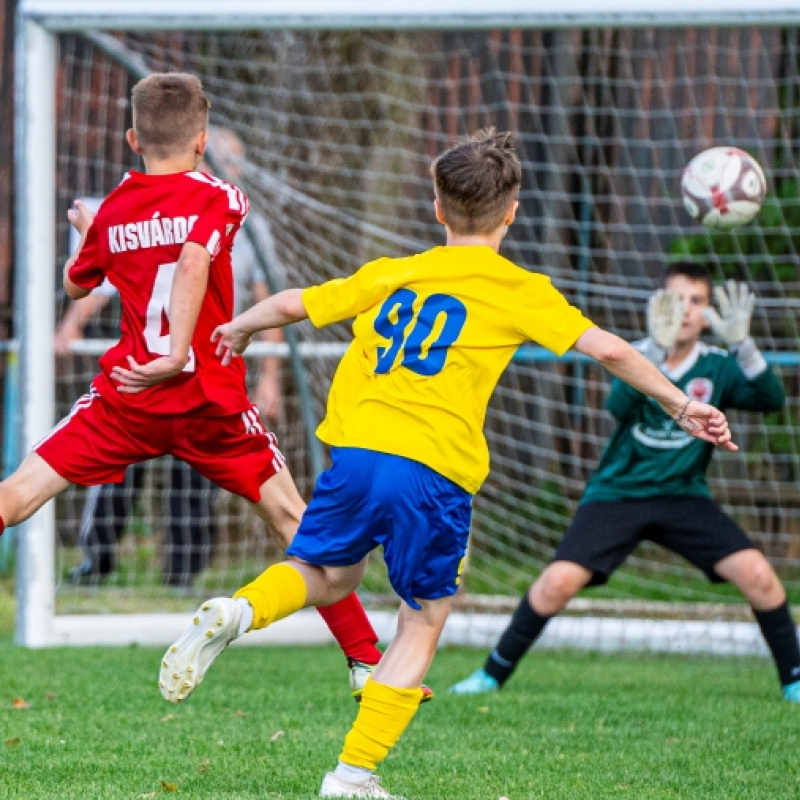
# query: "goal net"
337, 130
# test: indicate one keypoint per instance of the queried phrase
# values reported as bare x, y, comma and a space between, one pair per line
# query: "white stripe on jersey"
213, 243
237, 200
252, 421
278, 461
84, 401
252, 424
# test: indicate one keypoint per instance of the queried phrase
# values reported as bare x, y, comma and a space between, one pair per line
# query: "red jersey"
135, 241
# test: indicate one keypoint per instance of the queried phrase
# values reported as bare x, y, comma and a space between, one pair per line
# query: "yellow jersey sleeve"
544, 316
343, 298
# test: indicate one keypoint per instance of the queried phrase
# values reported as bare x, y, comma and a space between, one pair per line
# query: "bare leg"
389, 701
328, 585
755, 578
556, 586
281, 507
409, 656
28, 489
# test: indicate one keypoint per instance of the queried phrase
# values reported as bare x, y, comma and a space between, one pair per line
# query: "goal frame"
38, 24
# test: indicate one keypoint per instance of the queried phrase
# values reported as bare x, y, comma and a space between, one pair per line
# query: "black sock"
525, 627
780, 632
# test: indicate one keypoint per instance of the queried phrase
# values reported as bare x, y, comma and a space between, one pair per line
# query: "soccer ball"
723, 187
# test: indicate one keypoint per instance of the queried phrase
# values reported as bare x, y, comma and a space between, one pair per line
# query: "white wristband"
651, 351
749, 358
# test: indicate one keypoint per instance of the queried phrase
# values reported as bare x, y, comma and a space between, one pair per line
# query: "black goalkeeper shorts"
604, 533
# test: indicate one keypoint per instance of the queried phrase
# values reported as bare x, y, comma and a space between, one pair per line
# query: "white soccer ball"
723, 187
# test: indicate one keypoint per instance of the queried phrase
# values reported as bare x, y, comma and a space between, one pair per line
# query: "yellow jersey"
433, 333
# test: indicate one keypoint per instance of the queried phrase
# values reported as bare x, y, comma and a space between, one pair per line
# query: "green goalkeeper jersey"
648, 455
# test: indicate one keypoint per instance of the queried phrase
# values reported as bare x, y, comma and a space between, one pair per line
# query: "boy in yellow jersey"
433, 333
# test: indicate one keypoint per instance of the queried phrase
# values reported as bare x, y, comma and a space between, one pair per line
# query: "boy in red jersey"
163, 239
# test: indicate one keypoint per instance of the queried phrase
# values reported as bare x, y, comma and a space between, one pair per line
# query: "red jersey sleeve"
222, 217
86, 271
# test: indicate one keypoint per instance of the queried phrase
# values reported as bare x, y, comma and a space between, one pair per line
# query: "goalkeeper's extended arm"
732, 324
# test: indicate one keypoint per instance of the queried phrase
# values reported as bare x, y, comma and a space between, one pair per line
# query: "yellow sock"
384, 714
276, 593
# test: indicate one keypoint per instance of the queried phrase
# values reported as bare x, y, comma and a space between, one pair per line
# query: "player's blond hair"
169, 110
477, 181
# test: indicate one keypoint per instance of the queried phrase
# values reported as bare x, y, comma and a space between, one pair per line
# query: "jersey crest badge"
700, 389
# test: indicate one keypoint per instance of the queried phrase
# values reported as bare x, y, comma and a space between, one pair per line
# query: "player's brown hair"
691, 270
169, 110
477, 181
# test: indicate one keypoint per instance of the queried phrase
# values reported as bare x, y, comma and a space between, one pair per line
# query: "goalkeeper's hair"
688, 269
169, 110
477, 181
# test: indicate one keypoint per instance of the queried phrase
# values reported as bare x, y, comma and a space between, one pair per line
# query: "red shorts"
96, 443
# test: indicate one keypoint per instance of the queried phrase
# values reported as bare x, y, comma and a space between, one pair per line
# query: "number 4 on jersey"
158, 310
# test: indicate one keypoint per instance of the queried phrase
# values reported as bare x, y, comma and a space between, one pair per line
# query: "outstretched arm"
621, 359
74, 321
81, 218
275, 312
759, 388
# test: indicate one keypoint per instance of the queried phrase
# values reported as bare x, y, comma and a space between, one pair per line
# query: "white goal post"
39, 24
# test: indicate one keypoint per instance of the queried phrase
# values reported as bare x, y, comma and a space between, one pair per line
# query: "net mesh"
339, 129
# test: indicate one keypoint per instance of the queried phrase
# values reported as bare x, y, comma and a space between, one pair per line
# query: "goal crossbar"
414, 14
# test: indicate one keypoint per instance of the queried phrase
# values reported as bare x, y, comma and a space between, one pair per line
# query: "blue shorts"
369, 499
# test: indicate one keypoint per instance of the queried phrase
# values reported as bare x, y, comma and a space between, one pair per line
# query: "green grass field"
267, 723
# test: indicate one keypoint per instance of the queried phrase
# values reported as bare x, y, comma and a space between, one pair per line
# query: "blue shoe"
481, 683
791, 692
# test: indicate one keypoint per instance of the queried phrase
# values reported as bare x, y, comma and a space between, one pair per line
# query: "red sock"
351, 629
2, 525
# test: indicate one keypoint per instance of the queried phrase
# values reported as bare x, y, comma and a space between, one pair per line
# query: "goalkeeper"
651, 480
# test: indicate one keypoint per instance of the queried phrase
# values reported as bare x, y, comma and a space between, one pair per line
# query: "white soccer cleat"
333, 786
214, 627
360, 673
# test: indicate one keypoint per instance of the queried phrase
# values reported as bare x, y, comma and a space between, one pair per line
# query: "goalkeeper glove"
732, 322
664, 319
732, 325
